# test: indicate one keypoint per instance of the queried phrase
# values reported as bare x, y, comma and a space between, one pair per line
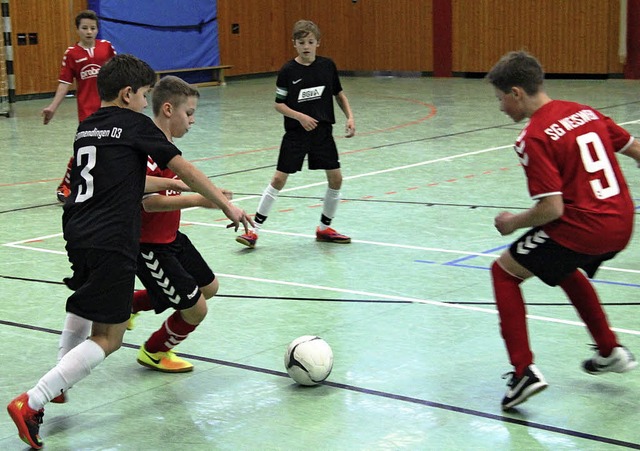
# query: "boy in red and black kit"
169, 266
583, 216
80, 63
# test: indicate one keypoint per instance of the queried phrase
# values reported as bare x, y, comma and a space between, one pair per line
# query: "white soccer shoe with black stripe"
619, 361
522, 388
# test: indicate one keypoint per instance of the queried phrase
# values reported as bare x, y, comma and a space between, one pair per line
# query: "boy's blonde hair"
173, 90
302, 28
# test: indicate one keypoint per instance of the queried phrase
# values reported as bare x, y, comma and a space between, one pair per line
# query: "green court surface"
407, 307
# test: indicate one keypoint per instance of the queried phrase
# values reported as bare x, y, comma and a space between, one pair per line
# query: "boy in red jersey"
81, 63
305, 89
583, 216
101, 224
169, 266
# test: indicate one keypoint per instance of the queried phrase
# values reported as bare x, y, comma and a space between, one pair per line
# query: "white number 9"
589, 141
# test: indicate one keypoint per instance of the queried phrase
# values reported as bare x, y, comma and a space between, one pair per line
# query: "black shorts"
318, 144
173, 273
103, 283
550, 261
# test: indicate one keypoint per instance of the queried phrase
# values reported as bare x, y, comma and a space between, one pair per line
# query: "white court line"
382, 171
415, 300
399, 168
369, 294
19, 245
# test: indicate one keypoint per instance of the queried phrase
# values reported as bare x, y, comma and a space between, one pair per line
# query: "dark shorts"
550, 261
173, 273
318, 144
103, 283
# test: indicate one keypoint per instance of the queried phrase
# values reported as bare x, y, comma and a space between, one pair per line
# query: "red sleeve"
68, 69
542, 172
152, 168
620, 138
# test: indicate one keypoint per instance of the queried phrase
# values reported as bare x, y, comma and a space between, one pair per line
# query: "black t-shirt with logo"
107, 179
308, 89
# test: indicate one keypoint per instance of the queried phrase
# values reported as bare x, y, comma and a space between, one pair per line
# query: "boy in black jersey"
305, 89
101, 223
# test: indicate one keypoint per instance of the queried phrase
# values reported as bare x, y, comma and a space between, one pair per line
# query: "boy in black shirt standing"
101, 224
305, 89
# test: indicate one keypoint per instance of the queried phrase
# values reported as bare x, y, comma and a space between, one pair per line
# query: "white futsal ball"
308, 360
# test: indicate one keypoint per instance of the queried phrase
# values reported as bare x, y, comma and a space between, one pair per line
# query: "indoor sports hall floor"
407, 306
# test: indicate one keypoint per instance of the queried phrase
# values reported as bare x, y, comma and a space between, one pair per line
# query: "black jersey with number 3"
308, 89
107, 179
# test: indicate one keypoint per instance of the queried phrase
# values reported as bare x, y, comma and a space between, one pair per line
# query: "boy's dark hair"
303, 27
86, 14
517, 69
173, 90
122, 71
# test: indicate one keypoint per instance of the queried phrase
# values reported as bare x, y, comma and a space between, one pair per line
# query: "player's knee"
278, 182
501, 275
210, 290
108, 344
334, 179
196, 314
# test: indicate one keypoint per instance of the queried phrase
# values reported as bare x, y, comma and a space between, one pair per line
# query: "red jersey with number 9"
570, 149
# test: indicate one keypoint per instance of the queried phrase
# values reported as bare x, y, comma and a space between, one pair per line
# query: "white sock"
330, 205
72, 368
75, 330
267, 200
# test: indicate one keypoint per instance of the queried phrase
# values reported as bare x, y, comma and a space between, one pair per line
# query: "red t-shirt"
570, 149
83, 65
160, 227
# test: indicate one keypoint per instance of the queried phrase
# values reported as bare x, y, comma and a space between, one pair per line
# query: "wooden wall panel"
260, 44
567, 36
37, 66
368, 35
341, 32
615, 66
403, 35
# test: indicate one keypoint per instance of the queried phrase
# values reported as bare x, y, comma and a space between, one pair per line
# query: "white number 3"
591, 141
86, 159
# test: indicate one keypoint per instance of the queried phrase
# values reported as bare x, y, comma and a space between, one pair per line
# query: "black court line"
353, 301
395, 202
382, 394
31, 207
381, 146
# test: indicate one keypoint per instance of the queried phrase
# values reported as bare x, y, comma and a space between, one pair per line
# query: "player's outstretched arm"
153, 184
157, 203
199, 183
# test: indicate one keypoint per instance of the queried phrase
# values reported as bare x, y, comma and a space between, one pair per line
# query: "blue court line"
457, 263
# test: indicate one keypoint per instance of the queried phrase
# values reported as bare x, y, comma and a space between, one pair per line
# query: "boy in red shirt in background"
81, 63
